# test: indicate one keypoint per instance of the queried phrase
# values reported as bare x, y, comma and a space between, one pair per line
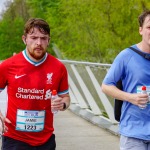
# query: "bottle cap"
54, 92
143, 88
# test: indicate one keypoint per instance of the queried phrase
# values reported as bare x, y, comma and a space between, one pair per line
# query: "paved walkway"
75, 133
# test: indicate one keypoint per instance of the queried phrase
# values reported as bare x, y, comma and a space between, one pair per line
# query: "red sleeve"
64, 86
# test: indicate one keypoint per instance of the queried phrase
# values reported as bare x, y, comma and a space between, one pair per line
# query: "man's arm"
114, 92
134, 98
3, 120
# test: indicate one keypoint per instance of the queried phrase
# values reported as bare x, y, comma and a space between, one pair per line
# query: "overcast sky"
2, 4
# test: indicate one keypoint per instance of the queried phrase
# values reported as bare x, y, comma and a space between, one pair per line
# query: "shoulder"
55, 61
126, 52
11, 60
125, 55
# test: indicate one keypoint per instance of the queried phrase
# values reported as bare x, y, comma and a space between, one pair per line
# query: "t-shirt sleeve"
64, 85
116, 71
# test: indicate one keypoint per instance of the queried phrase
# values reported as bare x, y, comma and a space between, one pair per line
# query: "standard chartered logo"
48, 94
37, 94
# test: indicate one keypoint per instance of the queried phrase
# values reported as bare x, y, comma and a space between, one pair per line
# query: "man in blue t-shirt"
134, 71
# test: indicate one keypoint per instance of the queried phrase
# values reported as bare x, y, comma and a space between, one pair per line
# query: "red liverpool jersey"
29, 85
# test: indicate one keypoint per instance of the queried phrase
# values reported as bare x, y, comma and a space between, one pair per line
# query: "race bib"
30, 120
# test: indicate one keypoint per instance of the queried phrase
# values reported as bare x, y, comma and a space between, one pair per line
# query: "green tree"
11, 28
87, 30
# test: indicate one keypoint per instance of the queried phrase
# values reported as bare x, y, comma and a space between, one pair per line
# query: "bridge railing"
87, 98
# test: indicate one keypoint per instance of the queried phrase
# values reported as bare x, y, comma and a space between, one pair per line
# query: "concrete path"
75, 133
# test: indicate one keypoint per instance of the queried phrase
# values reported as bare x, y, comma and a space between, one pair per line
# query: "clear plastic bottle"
148, 103
54, 96
143, 91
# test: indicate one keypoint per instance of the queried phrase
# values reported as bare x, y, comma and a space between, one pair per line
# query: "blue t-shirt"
134, 70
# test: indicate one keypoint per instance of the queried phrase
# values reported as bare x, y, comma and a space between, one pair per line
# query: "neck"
143, 47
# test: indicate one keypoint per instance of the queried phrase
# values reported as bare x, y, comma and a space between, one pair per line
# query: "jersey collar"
31, 61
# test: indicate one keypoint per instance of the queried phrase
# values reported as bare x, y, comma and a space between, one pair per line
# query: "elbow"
103, 88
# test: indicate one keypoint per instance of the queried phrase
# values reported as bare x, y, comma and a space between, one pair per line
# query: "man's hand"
3, 127
58, 103
139, 99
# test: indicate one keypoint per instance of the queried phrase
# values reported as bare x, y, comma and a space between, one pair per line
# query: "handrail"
86, 63
96, 107
89, 101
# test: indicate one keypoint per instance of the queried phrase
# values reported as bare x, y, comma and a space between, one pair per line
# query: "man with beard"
30, 77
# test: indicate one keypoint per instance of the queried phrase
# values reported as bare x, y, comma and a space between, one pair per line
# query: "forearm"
114, 92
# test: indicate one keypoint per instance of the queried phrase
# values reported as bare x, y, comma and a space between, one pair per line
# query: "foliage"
11, 28
87, 30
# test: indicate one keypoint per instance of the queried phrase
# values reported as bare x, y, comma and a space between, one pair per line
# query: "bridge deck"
75, 133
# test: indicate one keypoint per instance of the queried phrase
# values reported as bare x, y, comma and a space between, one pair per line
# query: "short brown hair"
143, 16
39, 23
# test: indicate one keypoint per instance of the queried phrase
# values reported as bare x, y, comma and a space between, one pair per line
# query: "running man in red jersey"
30, 76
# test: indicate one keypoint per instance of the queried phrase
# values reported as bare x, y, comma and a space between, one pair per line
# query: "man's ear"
24, 39
140, 30
48, 42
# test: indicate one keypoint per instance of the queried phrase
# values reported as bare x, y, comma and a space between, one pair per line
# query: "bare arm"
3, 119
134, 98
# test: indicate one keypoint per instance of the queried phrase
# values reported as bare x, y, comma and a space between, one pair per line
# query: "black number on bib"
30, 127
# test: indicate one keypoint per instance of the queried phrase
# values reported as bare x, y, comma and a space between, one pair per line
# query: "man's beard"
36, 56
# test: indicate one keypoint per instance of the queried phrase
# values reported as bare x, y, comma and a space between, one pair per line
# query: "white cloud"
2, 6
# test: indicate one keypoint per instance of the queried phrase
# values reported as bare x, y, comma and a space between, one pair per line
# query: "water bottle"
148, 103
143, 91
54, 96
